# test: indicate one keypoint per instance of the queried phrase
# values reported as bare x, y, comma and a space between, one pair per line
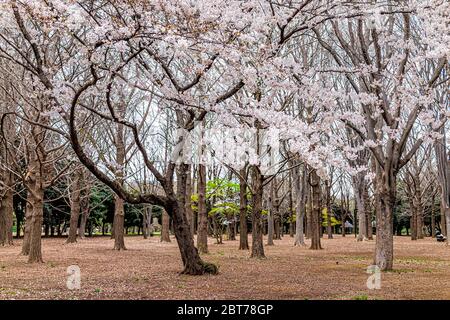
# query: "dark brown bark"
315, 210
202, 229
193, 265
257, 225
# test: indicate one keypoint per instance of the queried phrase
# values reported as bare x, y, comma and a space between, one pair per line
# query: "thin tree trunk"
243, 234
300, 185
358, 187
368, 211
187, 200
202, 229
270, 214
85, 212
270, 227
328, 200
433, 218
75, 208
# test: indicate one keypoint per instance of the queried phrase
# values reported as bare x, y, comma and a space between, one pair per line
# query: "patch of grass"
97, 290
359, 258
414, 260
399, 271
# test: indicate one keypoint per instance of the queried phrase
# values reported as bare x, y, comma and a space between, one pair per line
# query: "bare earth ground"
149, 270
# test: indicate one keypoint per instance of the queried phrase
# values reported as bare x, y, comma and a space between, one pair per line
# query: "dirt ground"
150, 270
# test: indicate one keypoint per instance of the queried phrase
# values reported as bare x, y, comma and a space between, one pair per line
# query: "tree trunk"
368, 211
75, 208
187, 200
147, 226
358, 187
6, 184
85, 212
243, 234
35, 228
443, 164
329, 227
193, 265
433, 218
300, 185
165, 226
27, 226
118, 226
270, 227
308, 211
270, 214
257, 225
35, 208
119, 212
315, 211
386, 192
277, 227
413, 220
6, 215
202, 229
